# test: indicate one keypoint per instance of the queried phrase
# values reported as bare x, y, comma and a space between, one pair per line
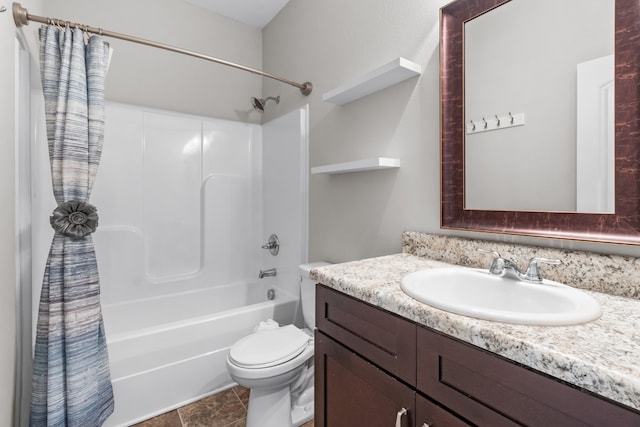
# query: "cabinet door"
351, 392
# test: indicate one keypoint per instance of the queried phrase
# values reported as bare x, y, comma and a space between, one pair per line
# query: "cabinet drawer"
431, 415
381, 337
489, 390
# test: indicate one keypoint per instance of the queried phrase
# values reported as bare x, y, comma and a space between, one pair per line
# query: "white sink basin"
477, 293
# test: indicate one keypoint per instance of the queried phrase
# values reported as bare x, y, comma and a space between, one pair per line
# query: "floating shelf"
398, 70
358, 166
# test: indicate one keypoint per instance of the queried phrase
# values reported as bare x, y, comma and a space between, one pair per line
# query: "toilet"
276, 363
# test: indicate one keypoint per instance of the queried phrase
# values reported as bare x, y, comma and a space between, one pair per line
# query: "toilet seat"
269, 348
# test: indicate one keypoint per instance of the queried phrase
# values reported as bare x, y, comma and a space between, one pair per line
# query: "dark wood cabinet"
488, 389
366, 368
371, 363
354, 392
428, 414
385, 339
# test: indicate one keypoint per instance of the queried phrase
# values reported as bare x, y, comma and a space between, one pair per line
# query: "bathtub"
170, 350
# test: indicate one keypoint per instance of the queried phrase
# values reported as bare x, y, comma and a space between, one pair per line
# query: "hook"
473, 125
3, 9
511, 117
497, 120
485, 123
56, 22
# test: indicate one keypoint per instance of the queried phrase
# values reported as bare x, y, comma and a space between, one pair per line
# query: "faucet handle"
533, 271
497, 266
488, 252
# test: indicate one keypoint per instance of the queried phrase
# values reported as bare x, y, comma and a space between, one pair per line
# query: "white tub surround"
185, 204
600, 356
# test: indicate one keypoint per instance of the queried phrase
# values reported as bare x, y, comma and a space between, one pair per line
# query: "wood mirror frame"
622, 226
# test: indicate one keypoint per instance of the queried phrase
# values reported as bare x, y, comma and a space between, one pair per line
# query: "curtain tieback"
74, 219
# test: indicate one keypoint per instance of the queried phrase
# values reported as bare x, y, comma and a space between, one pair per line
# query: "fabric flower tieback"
74, 219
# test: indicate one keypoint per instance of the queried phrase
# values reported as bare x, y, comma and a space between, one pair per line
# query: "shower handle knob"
273, 245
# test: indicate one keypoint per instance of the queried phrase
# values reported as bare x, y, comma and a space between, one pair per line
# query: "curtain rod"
22, 17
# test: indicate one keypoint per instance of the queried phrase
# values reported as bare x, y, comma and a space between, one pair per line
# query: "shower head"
258, 104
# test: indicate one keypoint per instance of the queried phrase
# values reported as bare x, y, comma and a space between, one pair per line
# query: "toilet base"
303, 409
269, 408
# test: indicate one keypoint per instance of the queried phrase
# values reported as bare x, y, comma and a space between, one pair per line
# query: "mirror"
556, 81
622, 225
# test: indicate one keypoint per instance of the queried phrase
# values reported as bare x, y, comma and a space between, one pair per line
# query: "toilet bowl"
276, 364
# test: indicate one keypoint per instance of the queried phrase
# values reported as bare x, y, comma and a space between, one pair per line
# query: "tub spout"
267, 273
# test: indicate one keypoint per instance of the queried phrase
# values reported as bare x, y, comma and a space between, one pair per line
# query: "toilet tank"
308, 293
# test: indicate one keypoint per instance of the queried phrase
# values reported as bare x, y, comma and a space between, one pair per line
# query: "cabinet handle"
426, 425
401, 412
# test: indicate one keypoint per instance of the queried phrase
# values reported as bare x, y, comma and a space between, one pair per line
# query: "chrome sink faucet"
506, 267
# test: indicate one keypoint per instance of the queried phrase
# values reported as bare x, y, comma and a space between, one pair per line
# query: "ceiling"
256, 13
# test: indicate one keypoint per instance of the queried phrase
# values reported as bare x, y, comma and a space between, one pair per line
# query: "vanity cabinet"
365, 362
371, 363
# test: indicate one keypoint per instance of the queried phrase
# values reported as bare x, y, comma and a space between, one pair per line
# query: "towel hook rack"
497, 122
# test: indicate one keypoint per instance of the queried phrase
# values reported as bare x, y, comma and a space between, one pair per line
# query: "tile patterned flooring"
225, 409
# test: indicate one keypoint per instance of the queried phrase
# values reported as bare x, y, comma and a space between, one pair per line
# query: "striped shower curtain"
71, 379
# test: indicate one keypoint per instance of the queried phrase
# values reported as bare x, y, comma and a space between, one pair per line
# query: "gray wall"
361, 215
156, 78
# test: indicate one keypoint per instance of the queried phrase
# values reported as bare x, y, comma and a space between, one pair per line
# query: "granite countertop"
602, 356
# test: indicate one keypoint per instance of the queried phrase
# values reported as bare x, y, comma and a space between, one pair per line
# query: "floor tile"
243, 395
239, 423
225, 409
170, 419
219, 410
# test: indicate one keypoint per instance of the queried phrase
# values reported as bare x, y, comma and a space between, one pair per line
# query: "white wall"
7, 217
152, 77
330, 42
7, 213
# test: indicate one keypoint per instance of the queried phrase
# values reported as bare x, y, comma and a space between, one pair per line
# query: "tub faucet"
505, 267
267, 273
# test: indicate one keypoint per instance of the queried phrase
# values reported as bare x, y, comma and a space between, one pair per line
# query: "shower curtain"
71, 378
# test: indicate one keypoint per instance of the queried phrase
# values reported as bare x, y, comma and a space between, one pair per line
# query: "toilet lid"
270, 347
